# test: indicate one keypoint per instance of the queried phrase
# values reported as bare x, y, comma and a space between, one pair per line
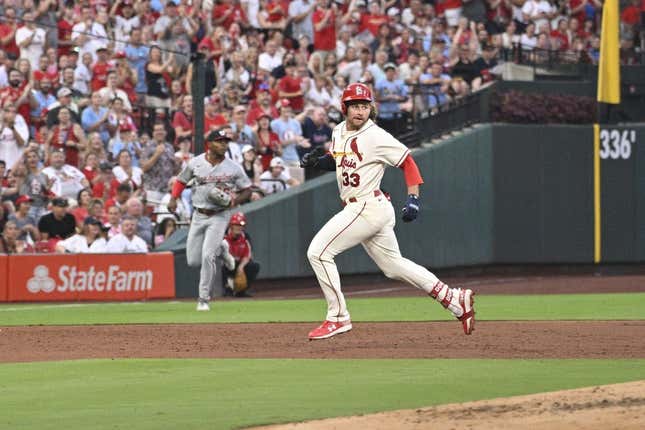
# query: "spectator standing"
243, 132
31, 40
316, 130
126, 140
263, 105
110, 91
126, 173
103, 184
58, 224
64, 101
182, 120
100, 70
8, 28
391, 93
239, 247
289, 131
127, 241
88, 241
324, 22
66, 180
158, 163
269, 144
290, 88
437, 85
67, 136
270, 58
354, 70
301, 15
83, 74
43, 98
137, 54
157, 73
18, 92
95, 118
14, 135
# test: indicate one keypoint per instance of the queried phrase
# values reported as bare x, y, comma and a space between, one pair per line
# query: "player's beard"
355, 122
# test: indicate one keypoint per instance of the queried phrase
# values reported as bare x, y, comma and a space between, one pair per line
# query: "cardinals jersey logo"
354, 147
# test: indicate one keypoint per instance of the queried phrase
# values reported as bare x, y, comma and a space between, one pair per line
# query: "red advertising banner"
101, 277
3, 278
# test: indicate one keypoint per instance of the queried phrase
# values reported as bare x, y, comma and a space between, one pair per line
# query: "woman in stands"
124, 172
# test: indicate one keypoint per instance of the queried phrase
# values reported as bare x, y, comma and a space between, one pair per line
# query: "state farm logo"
71, 279
41, 281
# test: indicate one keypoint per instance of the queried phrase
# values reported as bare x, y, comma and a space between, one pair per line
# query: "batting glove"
411, 208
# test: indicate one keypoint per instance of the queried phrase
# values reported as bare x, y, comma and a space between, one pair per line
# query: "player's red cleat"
329, 329
467, 303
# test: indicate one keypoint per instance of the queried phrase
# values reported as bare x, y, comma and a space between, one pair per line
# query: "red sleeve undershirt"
177, 189
411, 172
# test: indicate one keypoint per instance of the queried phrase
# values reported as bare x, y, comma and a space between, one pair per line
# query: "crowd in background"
97, 115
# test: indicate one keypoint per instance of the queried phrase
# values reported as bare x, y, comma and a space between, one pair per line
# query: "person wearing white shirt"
270, 58
126, 241
83, 74
111, 91
537, 11
67, 180
31, 40
277, 178
14, 135
89, 241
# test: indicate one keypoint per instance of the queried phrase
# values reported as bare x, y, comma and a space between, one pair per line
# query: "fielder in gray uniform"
214, 178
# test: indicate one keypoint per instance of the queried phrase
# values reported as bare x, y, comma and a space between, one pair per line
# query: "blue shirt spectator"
94, 118
137, 55
389, 93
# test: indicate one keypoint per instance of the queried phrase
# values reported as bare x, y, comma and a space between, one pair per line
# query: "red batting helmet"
355, 92
238, 219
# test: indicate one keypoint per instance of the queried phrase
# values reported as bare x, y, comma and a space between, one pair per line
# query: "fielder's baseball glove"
240, 283
219, 197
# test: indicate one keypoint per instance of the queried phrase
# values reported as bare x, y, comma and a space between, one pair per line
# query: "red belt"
354, 199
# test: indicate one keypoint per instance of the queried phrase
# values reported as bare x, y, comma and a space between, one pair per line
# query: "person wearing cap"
63, 100
213, 176
110, 91
318, 132
437, 84
241, 130
66, 180
391, 93
239, 247
277, 178
25, 223
126, 139
89, 240
58, 224
183, 154
100, 69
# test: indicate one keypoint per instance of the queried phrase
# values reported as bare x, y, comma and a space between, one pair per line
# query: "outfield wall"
497, 194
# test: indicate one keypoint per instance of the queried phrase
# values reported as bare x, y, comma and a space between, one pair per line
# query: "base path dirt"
608, 407
531, 339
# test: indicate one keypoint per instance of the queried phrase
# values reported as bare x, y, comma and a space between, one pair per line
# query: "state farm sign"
90, 277
72, 279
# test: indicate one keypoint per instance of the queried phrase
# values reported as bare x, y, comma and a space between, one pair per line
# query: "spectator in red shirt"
373, 20
8, 27
105, 185
213, 118
182, 121
100, 69
263, 105
18, 93
226, 13
290, 88
631, 14
239, 247
324, 19
65, 25
561, 35
123, 194
211, 45
268, 142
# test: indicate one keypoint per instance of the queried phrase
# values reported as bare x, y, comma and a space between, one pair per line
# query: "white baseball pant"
370, 222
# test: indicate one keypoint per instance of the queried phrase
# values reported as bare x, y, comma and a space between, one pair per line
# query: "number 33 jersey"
361, 158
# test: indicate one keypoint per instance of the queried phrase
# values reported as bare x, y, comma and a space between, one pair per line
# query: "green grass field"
223, 394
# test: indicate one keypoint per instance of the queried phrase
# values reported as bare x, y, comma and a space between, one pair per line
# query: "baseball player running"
359, 153
214, 177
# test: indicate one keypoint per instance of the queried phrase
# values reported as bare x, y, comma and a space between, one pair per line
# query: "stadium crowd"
97, 114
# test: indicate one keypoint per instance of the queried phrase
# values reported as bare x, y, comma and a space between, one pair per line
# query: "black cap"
217, 136
90, 220
60, 202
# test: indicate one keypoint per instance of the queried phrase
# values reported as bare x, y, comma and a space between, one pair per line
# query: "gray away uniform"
207, 231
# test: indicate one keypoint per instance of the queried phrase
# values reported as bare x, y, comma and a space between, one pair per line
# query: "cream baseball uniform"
368, 216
